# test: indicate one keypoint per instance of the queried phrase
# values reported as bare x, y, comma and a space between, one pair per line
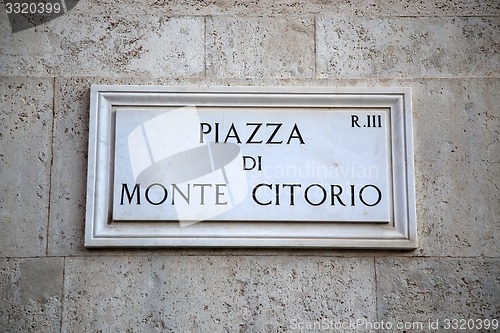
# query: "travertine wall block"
83, 45
427, 7
258, 47
69, 168
25, 158
214, 294
419, 290
315, 7
448, 160
456, 166
407, 47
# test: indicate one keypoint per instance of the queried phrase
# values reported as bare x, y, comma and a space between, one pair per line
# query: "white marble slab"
250, 166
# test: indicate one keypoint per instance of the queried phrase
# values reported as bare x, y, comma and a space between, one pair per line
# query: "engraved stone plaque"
259, 167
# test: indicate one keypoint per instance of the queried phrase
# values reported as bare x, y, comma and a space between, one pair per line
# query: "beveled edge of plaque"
100, 231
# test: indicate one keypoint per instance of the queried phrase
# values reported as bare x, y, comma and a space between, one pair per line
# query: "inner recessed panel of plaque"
259, 164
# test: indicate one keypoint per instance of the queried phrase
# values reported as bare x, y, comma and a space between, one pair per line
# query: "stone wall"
446, 51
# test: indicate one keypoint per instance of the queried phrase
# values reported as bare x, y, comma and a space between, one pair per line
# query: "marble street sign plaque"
260, 167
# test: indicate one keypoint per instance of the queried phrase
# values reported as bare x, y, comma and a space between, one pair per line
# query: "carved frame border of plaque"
101, 231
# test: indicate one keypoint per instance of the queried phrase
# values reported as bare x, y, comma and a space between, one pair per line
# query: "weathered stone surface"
214, 294
419, 290
31, 294
457, 151
25, 157
109, 7
282, 8
425, 8
314, 7
407, 47
69, 171
260, 47
87, 45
